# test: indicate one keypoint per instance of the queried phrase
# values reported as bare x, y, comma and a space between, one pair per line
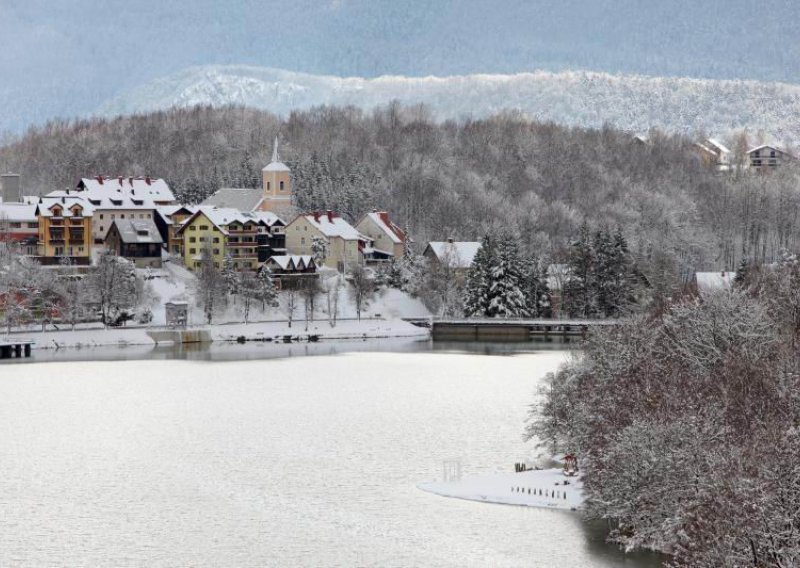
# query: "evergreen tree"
266, 292
507, 299
319, 250
477, 296
230, 276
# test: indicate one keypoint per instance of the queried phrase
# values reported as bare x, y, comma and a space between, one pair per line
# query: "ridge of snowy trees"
686, 424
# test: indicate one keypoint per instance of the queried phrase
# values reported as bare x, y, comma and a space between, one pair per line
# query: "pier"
488, 329
10, 348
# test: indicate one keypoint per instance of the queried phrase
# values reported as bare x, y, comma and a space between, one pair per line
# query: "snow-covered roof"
47, 204
292, 261
18, 212
269, 218
137, 188
769, 147
167, 211
384, 223
711, 281
235, 198
221, 217
331, 225
458, 254
137, 231
721, 148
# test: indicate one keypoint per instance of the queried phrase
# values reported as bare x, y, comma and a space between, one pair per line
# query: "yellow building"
65, 230
221, 232
388, 239
343, 243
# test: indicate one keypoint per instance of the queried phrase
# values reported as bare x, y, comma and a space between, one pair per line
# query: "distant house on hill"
707, 282
766, 157
456, 255
344, 243
714, 154
138, 240
388, 240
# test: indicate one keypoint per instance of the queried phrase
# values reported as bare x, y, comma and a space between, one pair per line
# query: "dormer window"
137, 201
76, 211
56, 211
116, 202
95, 201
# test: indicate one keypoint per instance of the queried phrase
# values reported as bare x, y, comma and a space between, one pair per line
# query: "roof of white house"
138, 187
331, 225
137, 231
235, 198
276, 165
711, 281
292, 261
18, 212
46, 205
385, 224
457, 254
769, 147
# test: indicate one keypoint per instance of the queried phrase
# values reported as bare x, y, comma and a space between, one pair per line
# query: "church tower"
277, 182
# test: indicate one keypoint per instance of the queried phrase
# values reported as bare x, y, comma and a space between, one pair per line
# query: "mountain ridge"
575, 98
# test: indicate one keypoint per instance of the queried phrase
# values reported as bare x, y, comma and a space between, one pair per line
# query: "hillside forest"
463, 179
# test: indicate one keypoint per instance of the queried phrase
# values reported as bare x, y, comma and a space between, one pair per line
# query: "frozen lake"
301, 461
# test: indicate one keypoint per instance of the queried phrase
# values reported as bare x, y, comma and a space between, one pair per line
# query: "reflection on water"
274, 350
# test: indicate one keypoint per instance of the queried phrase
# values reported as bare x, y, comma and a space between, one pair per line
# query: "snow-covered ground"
380, 318
536, 488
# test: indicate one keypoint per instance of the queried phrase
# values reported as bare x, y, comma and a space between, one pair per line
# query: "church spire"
275, 151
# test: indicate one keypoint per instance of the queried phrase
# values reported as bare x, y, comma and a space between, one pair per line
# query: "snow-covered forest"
686, 423
460, 179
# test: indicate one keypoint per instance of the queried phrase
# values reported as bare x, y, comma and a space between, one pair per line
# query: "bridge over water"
491, 329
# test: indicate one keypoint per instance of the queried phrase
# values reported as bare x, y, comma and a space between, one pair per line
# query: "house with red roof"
388, 239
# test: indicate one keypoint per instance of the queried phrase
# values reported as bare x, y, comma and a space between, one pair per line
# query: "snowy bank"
260, 331
535, 488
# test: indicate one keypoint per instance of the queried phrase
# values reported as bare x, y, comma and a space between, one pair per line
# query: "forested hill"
450, 179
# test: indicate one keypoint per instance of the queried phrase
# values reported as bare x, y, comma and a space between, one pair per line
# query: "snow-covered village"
341, 283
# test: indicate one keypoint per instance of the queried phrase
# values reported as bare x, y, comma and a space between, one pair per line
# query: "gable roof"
269, 218
770, 147
46, 205
137, 231
384, 223
457, 254
235, 198
292, 261
331, 225
716, 144
220, 217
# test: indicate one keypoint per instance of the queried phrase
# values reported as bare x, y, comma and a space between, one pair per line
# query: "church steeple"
276, 179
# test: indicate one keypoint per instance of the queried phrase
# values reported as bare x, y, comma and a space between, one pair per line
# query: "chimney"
450, 240
130, 181
100, 180
385, 218
119, 179
330, 216
147, 180
316, 216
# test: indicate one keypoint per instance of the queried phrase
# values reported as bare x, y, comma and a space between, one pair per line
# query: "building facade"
220, 232
65, 230
344, 245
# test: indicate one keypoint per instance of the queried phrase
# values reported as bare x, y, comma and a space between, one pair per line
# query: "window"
142, 216
101, 216
192, 251
202, 239
216, 240
122, 216
269, 186
216, 229
113, 216
305, 227
33, 225
204, 227
16, 225
216, 251
281, 186
192, 239
303, 241
192, 228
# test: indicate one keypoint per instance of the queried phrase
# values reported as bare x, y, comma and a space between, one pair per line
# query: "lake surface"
294, 461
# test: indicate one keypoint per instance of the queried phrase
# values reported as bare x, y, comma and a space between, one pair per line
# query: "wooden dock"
505, 330
18, 348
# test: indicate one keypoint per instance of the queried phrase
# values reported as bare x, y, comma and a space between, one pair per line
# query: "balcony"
76, 222
56, 221
241, 244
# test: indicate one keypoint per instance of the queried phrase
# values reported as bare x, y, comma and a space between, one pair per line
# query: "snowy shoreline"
543, 488
231, 332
